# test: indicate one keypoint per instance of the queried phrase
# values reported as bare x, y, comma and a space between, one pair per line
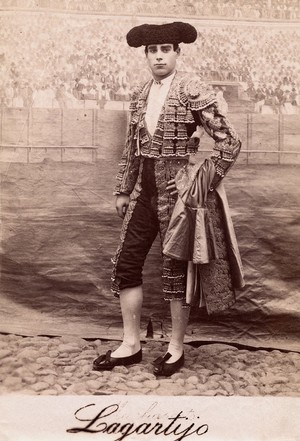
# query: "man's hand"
198, 133
171, 187
122, 203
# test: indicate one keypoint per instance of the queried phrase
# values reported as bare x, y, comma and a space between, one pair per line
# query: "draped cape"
190, 235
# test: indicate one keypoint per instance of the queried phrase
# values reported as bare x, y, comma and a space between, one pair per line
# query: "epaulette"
196, 93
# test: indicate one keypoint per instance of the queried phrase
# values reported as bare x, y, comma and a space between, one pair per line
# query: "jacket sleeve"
227, 143
207, 112
129, 164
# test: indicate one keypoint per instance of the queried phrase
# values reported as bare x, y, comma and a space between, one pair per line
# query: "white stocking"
180, 318
131, 300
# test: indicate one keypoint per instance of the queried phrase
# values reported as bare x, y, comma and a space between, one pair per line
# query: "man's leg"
131, 300
139, 234
180, 318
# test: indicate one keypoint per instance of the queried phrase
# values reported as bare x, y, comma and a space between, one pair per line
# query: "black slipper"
106, 362
167, 369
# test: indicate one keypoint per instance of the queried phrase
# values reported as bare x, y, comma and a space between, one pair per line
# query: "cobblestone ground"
58, 366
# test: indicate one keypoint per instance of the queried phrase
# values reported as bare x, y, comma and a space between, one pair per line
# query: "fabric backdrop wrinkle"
60, 230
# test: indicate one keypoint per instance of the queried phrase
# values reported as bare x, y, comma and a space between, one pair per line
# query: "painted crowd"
236, 9
94, 65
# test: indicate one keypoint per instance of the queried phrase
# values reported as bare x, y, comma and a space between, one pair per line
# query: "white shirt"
156, 99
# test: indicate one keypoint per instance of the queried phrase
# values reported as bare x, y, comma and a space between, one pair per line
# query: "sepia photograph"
150, 234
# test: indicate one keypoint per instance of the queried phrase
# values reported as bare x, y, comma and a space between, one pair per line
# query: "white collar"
166, 81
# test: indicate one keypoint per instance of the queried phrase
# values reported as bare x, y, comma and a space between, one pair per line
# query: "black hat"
177, 32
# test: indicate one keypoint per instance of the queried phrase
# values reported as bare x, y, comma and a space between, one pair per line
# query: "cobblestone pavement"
62, 365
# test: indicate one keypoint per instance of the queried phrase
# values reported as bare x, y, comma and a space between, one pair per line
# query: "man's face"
162, 60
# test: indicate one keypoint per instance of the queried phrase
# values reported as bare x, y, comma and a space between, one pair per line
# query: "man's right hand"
122, 203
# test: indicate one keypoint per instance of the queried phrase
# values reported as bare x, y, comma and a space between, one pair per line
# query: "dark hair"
175, 47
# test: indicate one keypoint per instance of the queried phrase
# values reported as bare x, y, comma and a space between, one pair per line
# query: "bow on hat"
177, 32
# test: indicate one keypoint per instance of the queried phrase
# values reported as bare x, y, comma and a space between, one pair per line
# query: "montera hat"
177, 32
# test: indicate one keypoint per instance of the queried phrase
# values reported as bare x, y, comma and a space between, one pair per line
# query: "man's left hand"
171, 187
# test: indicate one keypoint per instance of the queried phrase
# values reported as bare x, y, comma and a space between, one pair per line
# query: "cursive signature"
101, 423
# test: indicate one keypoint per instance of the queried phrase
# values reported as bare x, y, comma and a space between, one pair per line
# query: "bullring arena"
66, 80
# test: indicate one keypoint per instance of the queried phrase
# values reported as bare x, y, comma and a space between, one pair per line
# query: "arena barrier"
86, 134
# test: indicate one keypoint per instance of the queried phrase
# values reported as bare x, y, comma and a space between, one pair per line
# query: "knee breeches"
148, 214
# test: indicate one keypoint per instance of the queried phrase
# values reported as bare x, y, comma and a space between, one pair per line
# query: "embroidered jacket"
190, 102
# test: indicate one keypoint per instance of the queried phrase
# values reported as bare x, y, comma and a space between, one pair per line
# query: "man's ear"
178, 50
